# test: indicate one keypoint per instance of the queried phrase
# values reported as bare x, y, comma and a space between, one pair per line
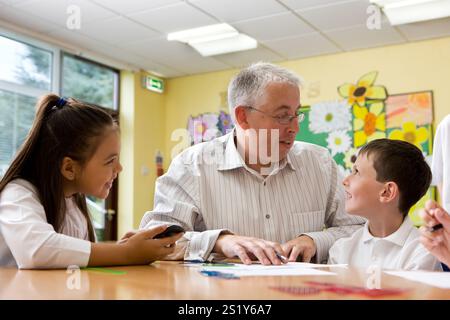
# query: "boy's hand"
303, 246
437, 242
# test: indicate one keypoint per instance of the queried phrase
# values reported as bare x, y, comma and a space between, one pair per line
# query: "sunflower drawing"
363, 90
410, 133
369, 123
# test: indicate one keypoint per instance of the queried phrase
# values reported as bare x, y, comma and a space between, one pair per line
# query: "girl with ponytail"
72, 150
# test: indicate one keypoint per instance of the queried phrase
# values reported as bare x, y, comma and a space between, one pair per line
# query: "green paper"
104, 270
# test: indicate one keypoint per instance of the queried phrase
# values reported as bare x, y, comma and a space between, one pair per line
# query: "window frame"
24, 89
116, 98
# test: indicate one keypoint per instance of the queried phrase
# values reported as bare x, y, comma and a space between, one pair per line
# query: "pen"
218, 274
193, 261
281, 257
208, 263
435, 227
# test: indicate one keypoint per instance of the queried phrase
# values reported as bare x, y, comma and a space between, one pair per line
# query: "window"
25, 64
26, 72
89, 81
16, 117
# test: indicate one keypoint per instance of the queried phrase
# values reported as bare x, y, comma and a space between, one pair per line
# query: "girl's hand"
142, 248
127, 235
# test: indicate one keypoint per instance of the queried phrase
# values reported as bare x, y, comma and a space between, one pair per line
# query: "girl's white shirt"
28, 241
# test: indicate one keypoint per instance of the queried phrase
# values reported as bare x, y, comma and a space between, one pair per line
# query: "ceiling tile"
244, 58
158, 69
340, 15
56, 11
173, 18
26, 20
145, 63
426, 29
118, 30
360, 37
303, 46
84, 43
176, 55
75, 38
201, 65
303, 4
133, 6
235, 10
273, 27
12, 2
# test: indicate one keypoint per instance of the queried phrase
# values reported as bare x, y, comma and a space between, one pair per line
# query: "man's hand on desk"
302, 246
247, 248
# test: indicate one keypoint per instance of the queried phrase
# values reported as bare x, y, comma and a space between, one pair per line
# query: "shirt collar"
398, 237
233, 159
289, 161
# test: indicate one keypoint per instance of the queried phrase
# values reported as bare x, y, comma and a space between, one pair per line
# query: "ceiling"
134, 31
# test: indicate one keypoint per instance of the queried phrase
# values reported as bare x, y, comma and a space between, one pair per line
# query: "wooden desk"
172, 280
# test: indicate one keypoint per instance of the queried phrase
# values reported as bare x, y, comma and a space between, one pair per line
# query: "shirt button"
267, 216
264, 183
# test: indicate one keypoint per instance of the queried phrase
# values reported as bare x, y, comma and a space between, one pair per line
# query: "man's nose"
294, 126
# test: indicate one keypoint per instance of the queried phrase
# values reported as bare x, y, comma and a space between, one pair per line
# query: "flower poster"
208, 126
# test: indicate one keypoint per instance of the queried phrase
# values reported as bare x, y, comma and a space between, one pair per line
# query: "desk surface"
172, 280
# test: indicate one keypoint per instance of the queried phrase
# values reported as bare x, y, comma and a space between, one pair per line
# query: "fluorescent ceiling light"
240, 42
214, 39
207, 33
409, 11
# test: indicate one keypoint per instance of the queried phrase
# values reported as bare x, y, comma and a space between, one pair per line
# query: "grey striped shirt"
208, 189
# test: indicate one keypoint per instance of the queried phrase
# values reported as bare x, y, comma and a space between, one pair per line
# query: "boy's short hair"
402, 163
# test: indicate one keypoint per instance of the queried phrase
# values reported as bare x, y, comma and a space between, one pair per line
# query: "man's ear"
389, 192
240, 114
69, 168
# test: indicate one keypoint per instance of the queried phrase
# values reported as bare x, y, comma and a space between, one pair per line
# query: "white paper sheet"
294, 265
436, 279
288, 269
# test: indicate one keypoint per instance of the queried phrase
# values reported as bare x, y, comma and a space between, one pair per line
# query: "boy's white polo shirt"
400, 250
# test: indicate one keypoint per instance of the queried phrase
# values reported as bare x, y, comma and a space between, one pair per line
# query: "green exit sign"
153, 84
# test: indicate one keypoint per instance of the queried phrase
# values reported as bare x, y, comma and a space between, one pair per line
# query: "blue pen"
208, 263
193, 261
218, 274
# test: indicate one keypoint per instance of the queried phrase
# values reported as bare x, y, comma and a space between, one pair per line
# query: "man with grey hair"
255, 193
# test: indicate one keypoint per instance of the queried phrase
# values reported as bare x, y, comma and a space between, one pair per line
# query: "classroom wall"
126, 177
402, 68
142, 131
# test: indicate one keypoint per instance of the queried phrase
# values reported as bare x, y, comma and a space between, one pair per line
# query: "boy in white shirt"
388, 178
